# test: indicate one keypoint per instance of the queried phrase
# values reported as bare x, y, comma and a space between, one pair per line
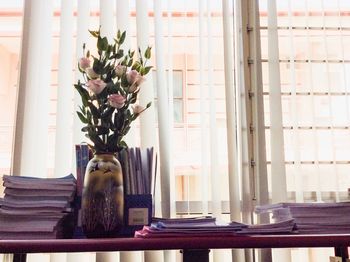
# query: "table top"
188, 242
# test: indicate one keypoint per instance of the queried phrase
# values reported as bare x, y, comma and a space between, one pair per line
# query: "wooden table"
193, 248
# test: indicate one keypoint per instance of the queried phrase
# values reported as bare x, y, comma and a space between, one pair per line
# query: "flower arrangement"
109, 91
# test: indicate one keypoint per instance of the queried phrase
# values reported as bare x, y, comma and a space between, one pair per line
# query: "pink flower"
137, 109
96, 86
120, 70
135, 80
116, 100
84, 63
91, 73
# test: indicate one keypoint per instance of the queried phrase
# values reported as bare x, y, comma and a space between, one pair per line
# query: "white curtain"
208, 121
199, 70
305, 83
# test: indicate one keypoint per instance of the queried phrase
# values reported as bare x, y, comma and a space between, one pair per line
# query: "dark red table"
193, 248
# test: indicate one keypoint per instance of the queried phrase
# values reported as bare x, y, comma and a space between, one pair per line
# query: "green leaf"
107, 113
98, 66
122, 144
148, 53
102, 130
89, 116
86, 129
80, 70
133, 100
136, 66
102, 43
119, 54
82, 118
122, 38
126, 130
83, 93
131, 53
124, 81
82, 109
130, 62
95, 33
94, 110
147, 69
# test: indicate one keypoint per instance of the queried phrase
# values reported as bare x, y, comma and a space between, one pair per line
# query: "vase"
103, 197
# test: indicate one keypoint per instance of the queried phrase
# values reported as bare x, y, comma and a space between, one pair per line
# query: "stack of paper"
312, 217
199, 226
284, 226
36, 208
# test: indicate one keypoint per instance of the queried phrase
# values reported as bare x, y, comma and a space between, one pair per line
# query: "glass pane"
177, 83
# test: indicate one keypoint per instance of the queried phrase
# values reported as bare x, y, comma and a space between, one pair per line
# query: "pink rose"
135, 80
91, 73
120, 70
116, 100
137, 109
84, 63
96, 86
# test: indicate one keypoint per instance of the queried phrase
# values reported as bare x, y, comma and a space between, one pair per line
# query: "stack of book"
198, 226
37, 208
312, 218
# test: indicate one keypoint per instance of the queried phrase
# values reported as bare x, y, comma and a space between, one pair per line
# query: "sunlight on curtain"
63, 152
195, 86
312, 61
278, 173
33, 91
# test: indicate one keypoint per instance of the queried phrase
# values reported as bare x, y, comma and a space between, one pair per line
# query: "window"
312, 38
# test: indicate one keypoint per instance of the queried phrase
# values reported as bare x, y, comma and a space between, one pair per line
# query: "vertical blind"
303, 56
200, 98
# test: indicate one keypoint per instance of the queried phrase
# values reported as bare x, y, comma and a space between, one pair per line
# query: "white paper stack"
312, 218
37, 208
198, 226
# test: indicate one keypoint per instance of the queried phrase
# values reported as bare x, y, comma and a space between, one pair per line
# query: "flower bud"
120, 70
131, 76
138, 109
96, 86
84, 63
135, 80
91, 73
116, 100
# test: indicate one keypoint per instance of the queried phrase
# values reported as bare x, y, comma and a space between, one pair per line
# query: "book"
79, 172
36, 208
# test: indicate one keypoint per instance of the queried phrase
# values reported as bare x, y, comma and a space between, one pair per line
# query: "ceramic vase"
103, 197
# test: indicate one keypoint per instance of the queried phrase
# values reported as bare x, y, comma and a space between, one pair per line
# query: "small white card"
138, 216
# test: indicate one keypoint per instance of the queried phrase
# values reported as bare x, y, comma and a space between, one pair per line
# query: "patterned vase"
103, 197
